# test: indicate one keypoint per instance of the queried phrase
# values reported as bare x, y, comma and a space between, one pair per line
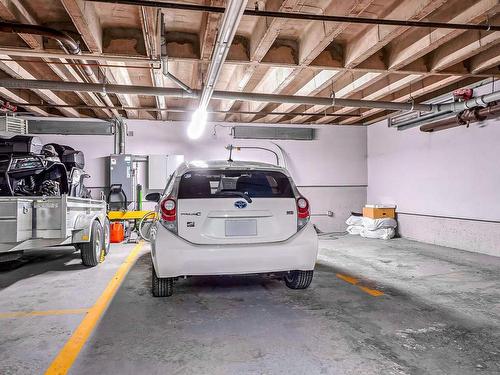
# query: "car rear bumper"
173, 256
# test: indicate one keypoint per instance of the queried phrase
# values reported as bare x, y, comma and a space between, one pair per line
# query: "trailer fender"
83, 227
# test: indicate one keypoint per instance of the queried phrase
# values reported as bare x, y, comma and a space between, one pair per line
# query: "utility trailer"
36, 222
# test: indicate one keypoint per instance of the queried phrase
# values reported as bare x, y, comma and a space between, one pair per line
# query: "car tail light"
168, 209
302, 212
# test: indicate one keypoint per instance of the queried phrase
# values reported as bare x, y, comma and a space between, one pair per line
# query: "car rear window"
227, 183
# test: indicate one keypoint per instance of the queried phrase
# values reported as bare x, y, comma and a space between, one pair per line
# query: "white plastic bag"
355, 229
374, 224
354, 220
383, 233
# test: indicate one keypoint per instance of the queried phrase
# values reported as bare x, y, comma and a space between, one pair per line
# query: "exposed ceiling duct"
306, 16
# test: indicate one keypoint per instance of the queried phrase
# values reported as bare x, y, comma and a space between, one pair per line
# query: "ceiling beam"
370, 41
151, 24
364, 47
418, 89
380, 89
86, 21
69, 73
13, 10
208, 31
485, 60
403, 53
460, 49
371, 65
264, 35
15, 98
316, 38
15, 70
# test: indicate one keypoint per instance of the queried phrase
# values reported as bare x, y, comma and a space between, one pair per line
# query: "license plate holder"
241, 228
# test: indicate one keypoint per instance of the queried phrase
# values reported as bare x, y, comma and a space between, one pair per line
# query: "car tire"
92, 251
298, 279
162, 286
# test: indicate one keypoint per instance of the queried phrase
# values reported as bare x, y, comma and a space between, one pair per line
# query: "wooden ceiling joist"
269, 55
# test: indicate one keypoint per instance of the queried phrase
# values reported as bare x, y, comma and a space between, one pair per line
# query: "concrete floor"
437, 312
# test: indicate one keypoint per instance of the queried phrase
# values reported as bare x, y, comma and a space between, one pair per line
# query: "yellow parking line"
68, 354
349, 279
372, 292
22, 314
354, 281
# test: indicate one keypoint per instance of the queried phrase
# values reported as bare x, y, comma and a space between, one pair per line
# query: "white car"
231, 217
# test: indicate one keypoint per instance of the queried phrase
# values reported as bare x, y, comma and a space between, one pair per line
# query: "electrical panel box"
160, 167
120, 172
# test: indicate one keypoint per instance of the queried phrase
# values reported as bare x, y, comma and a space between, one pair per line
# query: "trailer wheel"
107, 240
91, 251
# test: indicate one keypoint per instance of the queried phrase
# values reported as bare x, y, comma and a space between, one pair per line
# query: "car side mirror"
153, 197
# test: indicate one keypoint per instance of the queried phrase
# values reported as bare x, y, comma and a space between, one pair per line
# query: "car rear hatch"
236, 206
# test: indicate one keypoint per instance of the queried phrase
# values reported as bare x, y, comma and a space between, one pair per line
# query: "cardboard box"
379, 212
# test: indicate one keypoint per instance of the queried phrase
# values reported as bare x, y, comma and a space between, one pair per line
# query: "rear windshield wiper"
235, 192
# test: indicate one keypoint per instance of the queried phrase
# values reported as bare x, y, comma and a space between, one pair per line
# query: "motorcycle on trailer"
44, 203
28, 168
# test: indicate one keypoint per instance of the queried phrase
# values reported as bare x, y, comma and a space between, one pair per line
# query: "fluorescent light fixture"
232, 15
198, 124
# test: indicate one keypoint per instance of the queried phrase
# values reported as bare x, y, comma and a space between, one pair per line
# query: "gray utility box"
120, 173
16, 220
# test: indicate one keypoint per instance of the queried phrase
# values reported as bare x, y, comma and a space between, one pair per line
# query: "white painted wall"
331, 170
452, 173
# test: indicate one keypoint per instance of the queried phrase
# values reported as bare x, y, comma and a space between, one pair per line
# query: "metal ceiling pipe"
164, 58
432, 117
181, 110
82, 56
195, 94
173, 78
66, 42
324, 101
230, 21
466, 117
60, 36
478, 101
305, 16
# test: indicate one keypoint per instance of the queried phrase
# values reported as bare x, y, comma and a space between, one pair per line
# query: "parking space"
421, 321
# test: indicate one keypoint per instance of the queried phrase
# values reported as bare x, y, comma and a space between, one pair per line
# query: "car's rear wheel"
162, 286
298, 279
